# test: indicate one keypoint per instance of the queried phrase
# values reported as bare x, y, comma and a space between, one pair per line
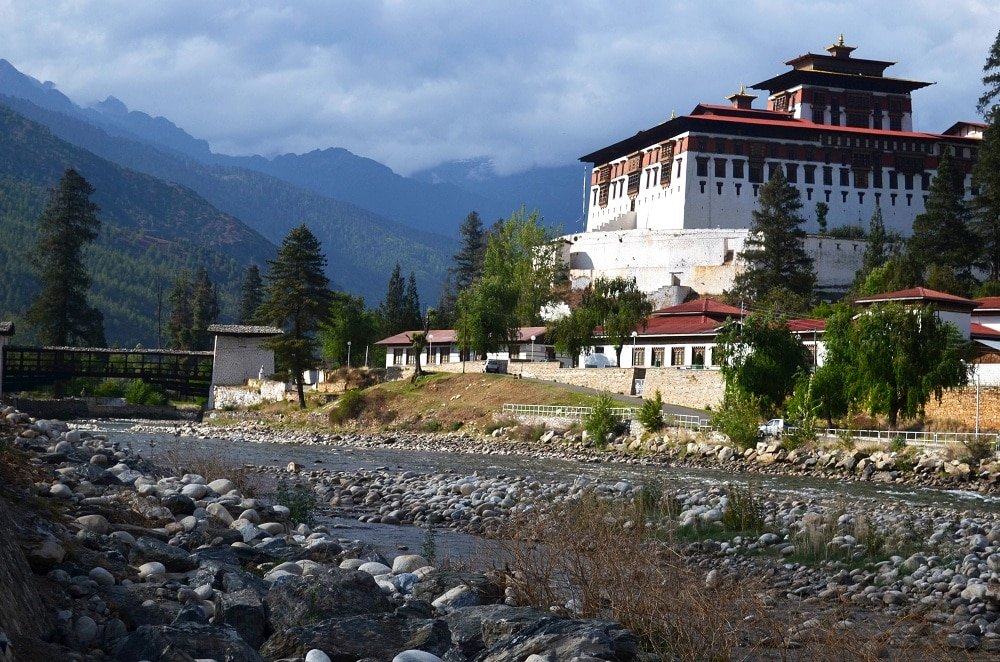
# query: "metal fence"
579, 413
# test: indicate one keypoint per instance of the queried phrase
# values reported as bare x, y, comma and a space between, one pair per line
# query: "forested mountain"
151, 230
433, 201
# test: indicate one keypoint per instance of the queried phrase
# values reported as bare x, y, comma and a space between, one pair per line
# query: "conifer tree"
297, 299
60, 310
411, 304
472, 250
991, 80
181, 320
205, 310
774, 257
876, 250
941, 235
251, 295
392, 308
986, 172
446, 303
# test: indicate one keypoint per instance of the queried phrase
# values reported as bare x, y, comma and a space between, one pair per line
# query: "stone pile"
148, 566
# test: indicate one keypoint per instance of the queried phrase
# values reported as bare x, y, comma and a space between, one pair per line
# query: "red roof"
920, 294
807, 124
806, 325
977, 330
700, 307
450, 336
683, 325
987, 304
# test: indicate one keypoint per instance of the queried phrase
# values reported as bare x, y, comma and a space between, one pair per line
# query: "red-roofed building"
442, 348
950, 308
671, 205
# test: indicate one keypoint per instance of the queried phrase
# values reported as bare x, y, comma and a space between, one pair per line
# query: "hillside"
151, 229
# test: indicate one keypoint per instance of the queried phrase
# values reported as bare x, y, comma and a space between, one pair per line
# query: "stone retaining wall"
255, 392
688, 388
959, 405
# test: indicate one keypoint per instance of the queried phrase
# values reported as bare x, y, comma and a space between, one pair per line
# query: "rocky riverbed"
142, 562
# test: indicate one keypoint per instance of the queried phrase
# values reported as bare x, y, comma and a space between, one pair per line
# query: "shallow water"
339, 458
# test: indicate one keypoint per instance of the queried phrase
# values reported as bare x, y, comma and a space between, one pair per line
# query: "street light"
430, 348
532, 359
634, 334
348, 353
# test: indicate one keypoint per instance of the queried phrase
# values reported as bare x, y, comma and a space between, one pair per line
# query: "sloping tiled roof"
700, 307
450, 336
806, 325
243, 330
920, 295
991, 304
6, 328
681, 325
977, 330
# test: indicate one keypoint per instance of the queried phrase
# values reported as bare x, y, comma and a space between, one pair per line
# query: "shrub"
744, 511
977, 449
498, 423
898, 443
348, 407
601, 420
651, 414
138, 392
432, 426
299, 499
737, 418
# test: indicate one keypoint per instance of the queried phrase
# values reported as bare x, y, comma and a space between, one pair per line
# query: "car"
495, 365
773, 428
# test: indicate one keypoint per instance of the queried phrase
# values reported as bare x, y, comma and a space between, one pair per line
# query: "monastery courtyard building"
672, 204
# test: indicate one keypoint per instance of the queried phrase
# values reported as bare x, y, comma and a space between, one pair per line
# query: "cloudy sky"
412, 83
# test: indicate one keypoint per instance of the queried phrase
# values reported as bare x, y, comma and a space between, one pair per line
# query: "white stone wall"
239, 358
254, 393
704, 260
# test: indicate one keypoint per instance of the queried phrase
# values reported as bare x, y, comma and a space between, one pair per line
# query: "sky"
414, 83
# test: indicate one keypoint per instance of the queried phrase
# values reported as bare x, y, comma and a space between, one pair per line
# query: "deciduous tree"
60, 311
773, 255
348, 320
620, 308
297, 300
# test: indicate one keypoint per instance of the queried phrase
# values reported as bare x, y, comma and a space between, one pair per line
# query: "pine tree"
251, 295
773, 254
181, 320
471, 253
877, 248
297, 300
941, 235
446, 303
411, 304
991, 80
986, 172
391, 310
205, 310
60, 310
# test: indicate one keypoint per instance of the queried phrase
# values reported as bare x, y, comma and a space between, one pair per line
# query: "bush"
300, 501
109, 388
602, 420
737, 418
348, 407
651, 414
138, 392
977, 450
744, 511
898, 444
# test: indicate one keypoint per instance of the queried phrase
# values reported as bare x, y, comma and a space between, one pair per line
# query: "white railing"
625, 413
915, 438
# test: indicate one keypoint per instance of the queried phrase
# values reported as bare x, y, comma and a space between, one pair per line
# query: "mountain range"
367, 216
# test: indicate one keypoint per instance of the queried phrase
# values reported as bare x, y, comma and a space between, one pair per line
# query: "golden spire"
840, 42
673, 115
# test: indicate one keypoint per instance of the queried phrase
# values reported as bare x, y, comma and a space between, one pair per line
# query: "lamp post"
366, 355
634, 334
532, 349
348, 353
430, 347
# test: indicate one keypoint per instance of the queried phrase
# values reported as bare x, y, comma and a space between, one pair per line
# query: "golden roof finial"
673, 115
840, 42
743, 88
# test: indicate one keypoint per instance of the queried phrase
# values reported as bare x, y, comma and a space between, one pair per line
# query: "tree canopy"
620, 308
204, 310
60, 311
348, 320
251, 295
774, 258
297, 299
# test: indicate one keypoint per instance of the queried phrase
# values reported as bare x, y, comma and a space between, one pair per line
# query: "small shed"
240, 354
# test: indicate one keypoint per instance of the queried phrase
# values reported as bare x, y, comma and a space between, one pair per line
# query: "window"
444, 355
895, 123
771, 169
756, 173
738, 168
860, 179
698, 356
845, 177
893, 179
810, 173
638, 356
701, 167
515, 352
792, 172
835, 113
877, 178
827, 176
397, 357
677, 356
679, 166
720, 168
908, 181
818, 114
925, 181
658, 357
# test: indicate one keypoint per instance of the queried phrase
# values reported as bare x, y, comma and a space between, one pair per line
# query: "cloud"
412, 84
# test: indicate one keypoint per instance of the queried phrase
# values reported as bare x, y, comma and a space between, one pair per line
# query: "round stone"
85, 630
374, 568
222, 486
416, 656
152, 569
408, 563
94, 523
60, 491
316, 655
101, 576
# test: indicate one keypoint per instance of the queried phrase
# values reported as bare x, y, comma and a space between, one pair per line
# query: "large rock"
475, 628
559, 639
302, 601
94, 523
184, 642
174, 559
244, 611
440, 582
380, 637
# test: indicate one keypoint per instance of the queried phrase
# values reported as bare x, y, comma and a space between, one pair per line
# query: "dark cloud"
415, 83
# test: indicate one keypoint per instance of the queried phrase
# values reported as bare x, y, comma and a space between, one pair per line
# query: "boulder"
562, 639
380, 637
408, 563
174, 559
439, 582
302, 601
184, 642
244, 611
222, 486
473, 629
178, 504
94, 523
